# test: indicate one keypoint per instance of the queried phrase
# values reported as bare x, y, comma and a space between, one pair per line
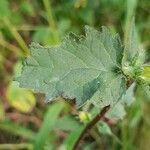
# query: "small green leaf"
145, 75
21, 99
48, 124
44, 35
134, 54
104, 128
128, 98
27, 8
72, 138
67, 123
118, 111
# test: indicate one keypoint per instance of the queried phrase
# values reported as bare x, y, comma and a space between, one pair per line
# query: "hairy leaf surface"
81, 68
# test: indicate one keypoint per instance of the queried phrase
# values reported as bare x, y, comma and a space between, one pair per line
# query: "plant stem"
10, 47
16, 35
89, 126
48, 9
51, 20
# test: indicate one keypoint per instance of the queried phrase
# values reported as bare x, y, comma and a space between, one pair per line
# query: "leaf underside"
81, 68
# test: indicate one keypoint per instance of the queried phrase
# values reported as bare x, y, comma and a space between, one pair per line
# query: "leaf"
27, 8
81, 67
143, 91
43, 35
128, 98
134, 54
133, 51
21, 99
104, 128
67, 123
118, 111
145, 75
48, 124
72, 138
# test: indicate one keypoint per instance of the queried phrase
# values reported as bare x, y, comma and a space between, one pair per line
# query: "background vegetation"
26, 122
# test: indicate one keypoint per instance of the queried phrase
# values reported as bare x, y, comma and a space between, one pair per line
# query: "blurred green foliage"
57, 125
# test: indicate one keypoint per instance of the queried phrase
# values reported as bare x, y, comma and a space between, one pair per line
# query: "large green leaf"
81, 67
